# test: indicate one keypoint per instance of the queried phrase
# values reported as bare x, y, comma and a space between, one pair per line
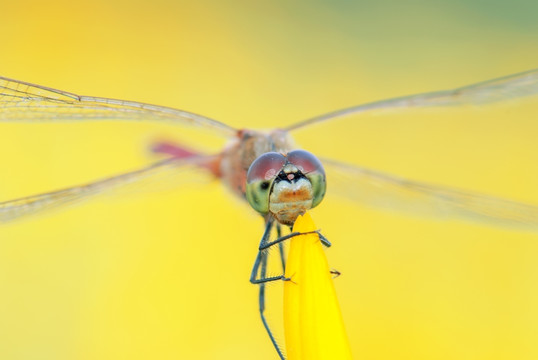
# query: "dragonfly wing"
21, 101
13, 209
496, 90
389, 192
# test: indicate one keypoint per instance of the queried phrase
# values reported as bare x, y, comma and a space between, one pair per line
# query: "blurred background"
140, 274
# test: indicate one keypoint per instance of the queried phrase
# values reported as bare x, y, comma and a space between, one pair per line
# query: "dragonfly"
266, 169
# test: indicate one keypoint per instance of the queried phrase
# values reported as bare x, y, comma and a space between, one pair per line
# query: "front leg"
261, 258
260, 265
322, 238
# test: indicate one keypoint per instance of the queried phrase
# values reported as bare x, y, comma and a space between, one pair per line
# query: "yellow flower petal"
313, 325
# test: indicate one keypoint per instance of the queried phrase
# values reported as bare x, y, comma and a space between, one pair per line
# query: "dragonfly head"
285, 186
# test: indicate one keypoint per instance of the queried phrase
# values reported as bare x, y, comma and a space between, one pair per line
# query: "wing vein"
389, 192
500, 89
21, 101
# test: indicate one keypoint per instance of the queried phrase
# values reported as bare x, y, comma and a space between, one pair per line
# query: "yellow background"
143, 276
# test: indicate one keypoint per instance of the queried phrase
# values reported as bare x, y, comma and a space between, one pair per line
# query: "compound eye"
260, 177
311, 167
305, 161
266, 167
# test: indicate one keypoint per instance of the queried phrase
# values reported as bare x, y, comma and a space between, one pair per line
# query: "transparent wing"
21, 101
505, 88
13, 209
388, 192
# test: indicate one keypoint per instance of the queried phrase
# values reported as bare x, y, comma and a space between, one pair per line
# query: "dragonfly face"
274, 179
285, 185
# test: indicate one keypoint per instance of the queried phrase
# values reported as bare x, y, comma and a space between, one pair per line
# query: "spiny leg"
322, 238
281, 245
262, 253
261, 299
281, 248
261, 265
261, 260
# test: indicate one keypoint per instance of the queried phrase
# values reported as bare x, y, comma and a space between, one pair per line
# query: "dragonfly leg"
261, 264
262, 255
261, 300
281, 248
322, 238
335, 273
261, 258
264, 245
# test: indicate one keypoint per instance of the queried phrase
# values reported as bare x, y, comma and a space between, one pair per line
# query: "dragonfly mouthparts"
291, 177
290, 173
